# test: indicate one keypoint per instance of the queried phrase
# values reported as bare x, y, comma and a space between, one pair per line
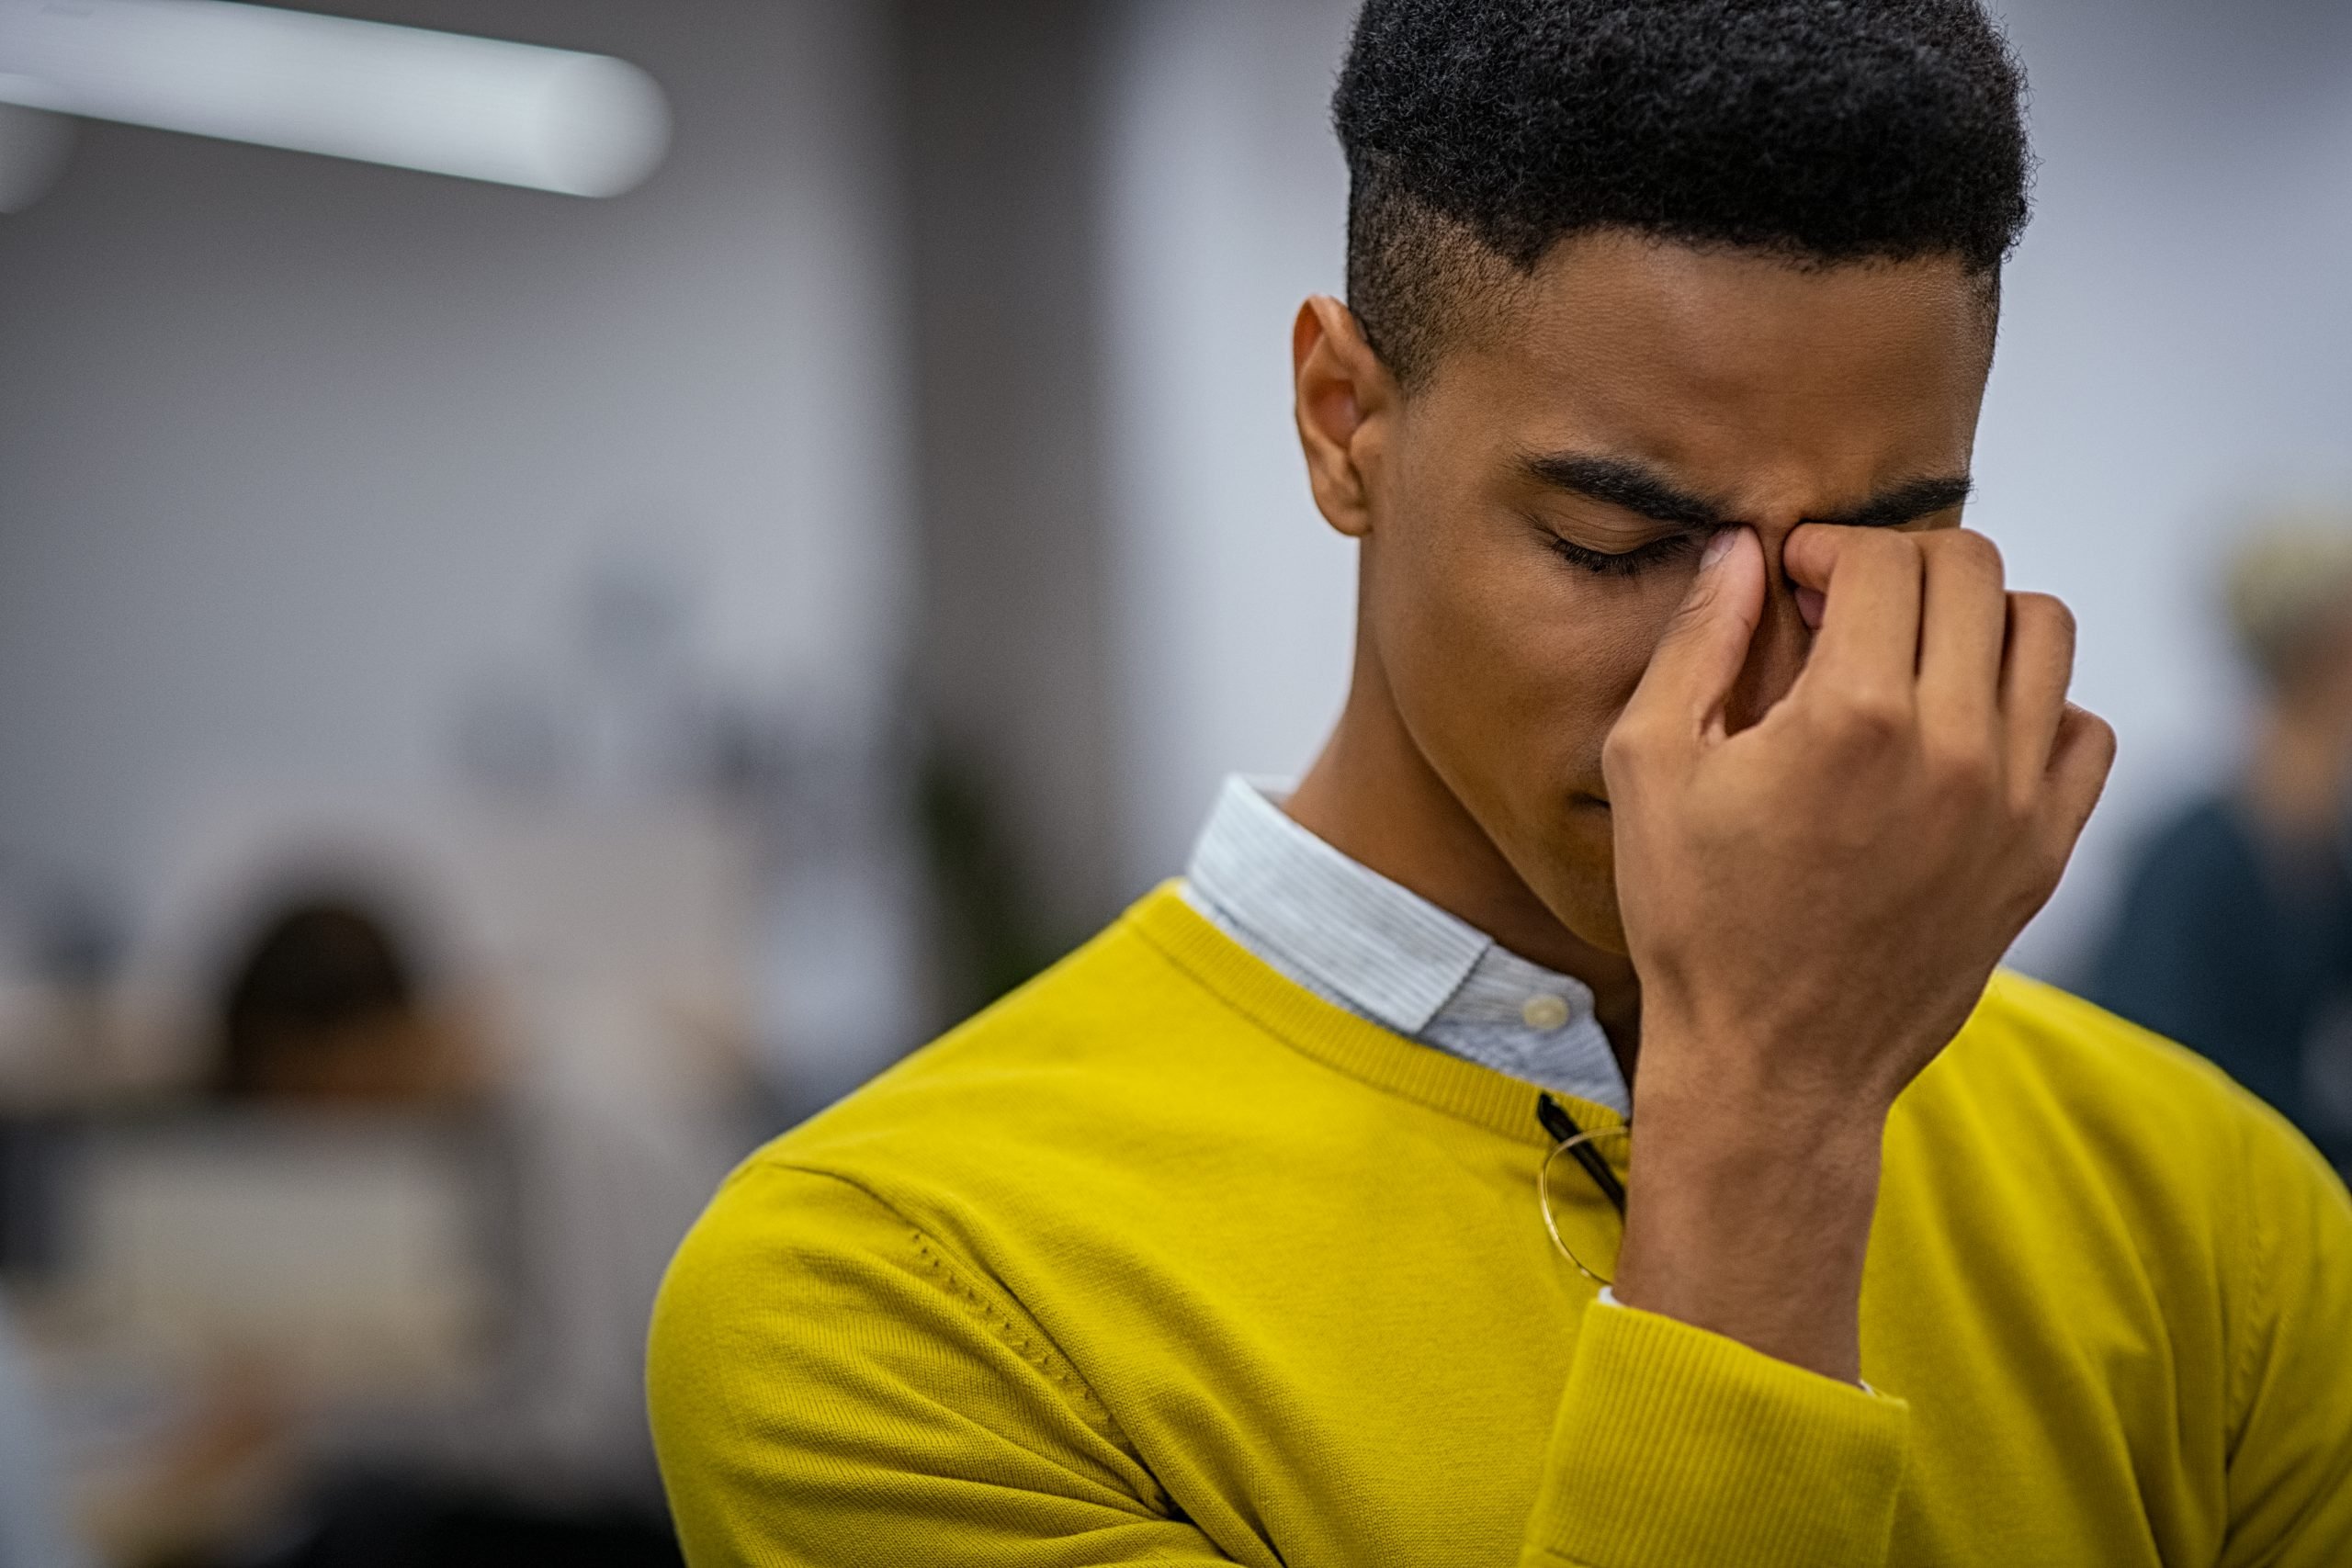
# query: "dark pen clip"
1563, 1127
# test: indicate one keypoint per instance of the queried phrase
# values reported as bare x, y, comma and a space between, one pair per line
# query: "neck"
1373, 795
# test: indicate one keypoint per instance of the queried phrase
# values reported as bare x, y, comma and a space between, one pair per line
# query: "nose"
1777, 653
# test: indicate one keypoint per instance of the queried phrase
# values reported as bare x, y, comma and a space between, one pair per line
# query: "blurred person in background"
2235, 935
1582, 1123
326, 1014
326, 1009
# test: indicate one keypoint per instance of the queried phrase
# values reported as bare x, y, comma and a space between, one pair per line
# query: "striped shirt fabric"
1360, 942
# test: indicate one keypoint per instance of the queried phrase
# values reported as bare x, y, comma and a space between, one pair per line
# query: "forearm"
1750, 1215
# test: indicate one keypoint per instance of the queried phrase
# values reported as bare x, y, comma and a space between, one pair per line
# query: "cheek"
1509, 666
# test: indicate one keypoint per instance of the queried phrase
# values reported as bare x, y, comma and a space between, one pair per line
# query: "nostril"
1809, 604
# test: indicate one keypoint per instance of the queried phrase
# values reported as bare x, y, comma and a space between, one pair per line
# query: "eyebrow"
1644, 491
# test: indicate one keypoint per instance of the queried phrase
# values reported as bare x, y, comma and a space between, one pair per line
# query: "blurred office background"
608, 674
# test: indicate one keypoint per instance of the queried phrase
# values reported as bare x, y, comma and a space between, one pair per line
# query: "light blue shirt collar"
1374, 947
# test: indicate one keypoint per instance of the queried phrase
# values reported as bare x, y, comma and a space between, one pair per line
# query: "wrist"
1749, 1217
1730, 1082
1803, 1186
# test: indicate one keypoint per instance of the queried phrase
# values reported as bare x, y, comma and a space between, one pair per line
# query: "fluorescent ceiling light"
479, 108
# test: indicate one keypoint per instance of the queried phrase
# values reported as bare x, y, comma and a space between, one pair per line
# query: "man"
1690, 743
2235, 935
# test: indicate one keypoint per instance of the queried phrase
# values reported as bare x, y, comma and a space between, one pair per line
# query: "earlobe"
1341, 392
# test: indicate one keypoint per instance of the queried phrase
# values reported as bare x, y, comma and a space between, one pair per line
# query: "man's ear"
1346, 403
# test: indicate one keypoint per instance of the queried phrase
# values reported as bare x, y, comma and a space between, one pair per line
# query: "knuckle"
1882, 710
1972, 548
1887, 545
2048, 612
2102, 734
1869, 715
2098, 761
1965, 772
2097, 734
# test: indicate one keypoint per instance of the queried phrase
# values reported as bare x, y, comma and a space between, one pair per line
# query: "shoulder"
2087, 1099
2180, 1234
841, 1193
819, 1367
1117, 1078
2052, 1060
2024, 1026
877, 1270
1113, 1035
774, 1245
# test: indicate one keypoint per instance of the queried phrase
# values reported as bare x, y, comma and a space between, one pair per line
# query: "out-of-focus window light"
479, 108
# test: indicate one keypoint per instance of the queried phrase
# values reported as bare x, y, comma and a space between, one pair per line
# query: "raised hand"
1815, 902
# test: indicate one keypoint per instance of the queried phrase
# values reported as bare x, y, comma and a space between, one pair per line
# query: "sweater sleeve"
830, 1389
2291, 1443
1675, 1446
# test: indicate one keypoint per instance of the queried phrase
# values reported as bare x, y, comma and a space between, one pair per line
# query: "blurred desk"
213, 1288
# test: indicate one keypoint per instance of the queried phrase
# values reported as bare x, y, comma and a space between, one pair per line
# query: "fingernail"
1717, 547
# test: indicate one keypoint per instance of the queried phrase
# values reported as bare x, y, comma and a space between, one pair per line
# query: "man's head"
1481, 133
1621, 272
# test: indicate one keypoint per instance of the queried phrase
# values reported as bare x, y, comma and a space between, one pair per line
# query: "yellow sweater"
1164, 1260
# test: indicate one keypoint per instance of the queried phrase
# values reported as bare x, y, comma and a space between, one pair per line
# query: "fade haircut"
1480, 133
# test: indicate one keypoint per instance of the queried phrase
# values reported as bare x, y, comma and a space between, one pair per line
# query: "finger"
2037, 666
2080, 758
1964, 628
1691, 674
1869, 581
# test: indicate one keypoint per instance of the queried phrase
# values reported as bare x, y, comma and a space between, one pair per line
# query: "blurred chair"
2235, 933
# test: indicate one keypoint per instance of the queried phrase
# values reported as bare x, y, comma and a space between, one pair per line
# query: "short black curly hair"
1479, 133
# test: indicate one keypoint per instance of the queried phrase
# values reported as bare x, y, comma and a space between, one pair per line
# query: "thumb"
1690, 676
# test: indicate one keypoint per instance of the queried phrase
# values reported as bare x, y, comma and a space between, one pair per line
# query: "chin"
1579, 883
1590, 915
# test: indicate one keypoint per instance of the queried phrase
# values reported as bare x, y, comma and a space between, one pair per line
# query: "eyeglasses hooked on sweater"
1569, 1139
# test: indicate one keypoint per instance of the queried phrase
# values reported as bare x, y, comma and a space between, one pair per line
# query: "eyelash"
1623, 563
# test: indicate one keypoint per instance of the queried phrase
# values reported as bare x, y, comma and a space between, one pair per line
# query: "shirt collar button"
1545, 1011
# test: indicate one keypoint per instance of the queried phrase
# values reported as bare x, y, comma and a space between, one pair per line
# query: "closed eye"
1625, 563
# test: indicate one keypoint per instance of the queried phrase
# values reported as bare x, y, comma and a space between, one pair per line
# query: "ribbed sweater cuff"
1674, 1446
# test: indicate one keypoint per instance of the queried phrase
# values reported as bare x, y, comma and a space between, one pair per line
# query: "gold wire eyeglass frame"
1543, 1194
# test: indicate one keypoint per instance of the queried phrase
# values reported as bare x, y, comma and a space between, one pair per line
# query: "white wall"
2177, 329
294, 453
2172, 350
1235, 602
